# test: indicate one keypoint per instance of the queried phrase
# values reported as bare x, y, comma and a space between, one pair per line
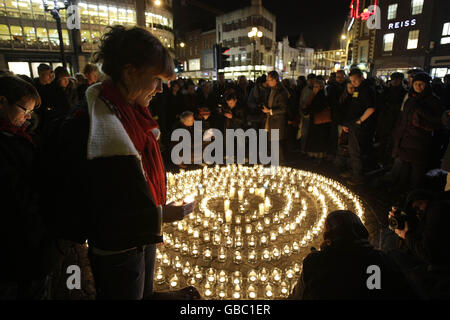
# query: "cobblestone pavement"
376, 207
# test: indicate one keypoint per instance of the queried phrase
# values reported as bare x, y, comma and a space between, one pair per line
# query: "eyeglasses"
27, 112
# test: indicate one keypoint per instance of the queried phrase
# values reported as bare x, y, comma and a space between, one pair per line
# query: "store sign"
365, 13
401, 24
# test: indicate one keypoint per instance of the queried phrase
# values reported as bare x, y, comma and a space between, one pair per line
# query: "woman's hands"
176, 211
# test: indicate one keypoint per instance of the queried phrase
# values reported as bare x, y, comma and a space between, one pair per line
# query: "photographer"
424, 255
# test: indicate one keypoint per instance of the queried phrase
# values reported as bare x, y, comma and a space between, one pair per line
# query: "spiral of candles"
249, 231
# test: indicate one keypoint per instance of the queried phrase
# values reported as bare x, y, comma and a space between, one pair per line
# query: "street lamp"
158, 3
254, 34
182, 44
55, 14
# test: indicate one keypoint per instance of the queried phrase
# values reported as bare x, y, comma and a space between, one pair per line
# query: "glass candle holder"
252, 256
211, 275
195, 251
217, 239
237, 292
192, 281
276, 254
187, 270
238, 219
261, 209
208, 290
228, 242
265, 256
241, 194
173, 282
177, 244
284, 289
177, 263
222, 254
248, 229
259, 227
263, 240
252, 276
184, 249
263, 275
238, 243
226, 229
267, 221
159, 276
165, 260
222, 277
280, 230
206, 236
276, 275
237, 258
290, 274
222, 291
236, 278
273, 236
207, 254
252, 292
297, 268
287, 250
238, 230
276, 218
251, 241
268, 291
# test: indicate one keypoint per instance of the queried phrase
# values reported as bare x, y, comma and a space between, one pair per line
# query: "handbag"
323, 116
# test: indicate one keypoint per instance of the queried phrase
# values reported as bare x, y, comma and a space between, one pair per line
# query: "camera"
400, 217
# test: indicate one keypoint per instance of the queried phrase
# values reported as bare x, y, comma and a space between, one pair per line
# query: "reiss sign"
401, 24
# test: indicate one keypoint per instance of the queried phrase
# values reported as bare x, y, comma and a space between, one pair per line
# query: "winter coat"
238, 120
278, 119
413, 133
334, 93
319, 134
390, 103
100, 182
341, 273
30, 249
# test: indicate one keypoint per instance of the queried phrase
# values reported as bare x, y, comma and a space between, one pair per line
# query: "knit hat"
422, 76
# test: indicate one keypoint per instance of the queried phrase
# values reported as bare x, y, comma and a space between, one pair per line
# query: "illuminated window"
392, 11
53, 36
113, 16
103, 14
413, 39
19, 68
12, 9
66, 38
4, 33
95, 36
131, 17
388, 42
85, 36
446, 34
30, 35
42, 35
416, 6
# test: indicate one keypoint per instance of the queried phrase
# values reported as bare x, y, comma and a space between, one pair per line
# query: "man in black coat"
390, 103
334, 90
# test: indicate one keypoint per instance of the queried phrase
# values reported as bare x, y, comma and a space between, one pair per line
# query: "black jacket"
30, 249
413, 132
238, 120
278, 119
391, 101
336, 273
103, 198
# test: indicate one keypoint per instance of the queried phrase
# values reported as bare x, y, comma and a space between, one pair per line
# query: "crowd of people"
80, 159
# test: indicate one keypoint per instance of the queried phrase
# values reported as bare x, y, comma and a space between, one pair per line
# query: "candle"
194, 251
238, 230
236, 278
196, 234
263, 276
259, 227
228, 242
273, 236
252, 276
187, 269
240, 194
248, 229
159, 276
207, 255
269, 291
252, 256
211, 275
226, 205
222, 254
276, 253
238, 219
206, 236
228, 216
217, 239
177, 263
208, 289
222, 278
276, 275
198, 273
266, 255
232, 192
261, 209
174, 281
251, 241
252, 190
284, 289
222, 291
287, 250
237, 292
251, 292
237, 257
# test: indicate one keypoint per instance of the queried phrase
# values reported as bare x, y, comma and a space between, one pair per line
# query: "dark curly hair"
120, 46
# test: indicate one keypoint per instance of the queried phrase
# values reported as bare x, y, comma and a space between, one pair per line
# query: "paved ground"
376, 202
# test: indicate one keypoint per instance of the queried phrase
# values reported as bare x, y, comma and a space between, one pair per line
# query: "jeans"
124, 276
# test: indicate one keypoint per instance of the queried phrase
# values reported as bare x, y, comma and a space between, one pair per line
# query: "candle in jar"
261, 209
240, 194
226, 204
232, 192
228, 216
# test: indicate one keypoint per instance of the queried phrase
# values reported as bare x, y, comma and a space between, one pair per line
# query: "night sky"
321, 21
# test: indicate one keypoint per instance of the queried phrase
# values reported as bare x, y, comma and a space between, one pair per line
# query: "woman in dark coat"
30, 251
413, 134
319, 134
342, 267
118, 178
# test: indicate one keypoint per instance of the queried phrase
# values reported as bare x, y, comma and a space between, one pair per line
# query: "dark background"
321, 21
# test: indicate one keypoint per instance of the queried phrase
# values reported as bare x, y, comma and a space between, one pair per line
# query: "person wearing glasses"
29, 250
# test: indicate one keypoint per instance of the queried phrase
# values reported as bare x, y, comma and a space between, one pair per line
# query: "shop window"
95, 36
42, 36
113, 15
30, 35
19, 68
131, 17
103, 14
4, 33
12, 9
85, 36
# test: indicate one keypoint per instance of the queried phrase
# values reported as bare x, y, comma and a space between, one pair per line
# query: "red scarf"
139, 124
7, 126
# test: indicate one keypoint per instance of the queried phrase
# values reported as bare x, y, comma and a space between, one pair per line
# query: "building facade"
328, 61
360, 46
294, 62
28, 34
197, 54
232, 31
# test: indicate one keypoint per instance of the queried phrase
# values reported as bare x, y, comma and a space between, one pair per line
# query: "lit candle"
207, 254
237, 292
276, 253
222, 254
208, 289
269, 291
228, 242
263, 239
174, 281
237, 257
276, 275
206, 236
259, 227
252, 256
251, 241
236, 278
226, 205
238, 219
222, 291
194, 251
232, 192
240, 194
217, 239
273, 236
177, 263
238, 242
261, 209
228, 216
238, 230
211, 275
159, 276
248, 229
287, 250
266, 255
222, 276
251, 291
263, 276
196, 234
252, 276
252, 190
284, 289
187, 269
